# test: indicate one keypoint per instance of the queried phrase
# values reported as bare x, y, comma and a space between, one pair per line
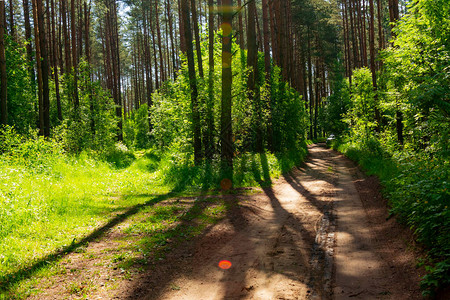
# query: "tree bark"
158, 33
3, 82
240, 25
227, 79
208, 142
12, 26
26, 15
76, 99
55, 63
197, 38
310, 85
44, 66
172, 43
266, 35
394, 16
192, 82
252, 64
68, 66
372, 62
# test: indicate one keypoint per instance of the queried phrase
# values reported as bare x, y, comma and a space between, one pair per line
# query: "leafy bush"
418, 189
22, 98
279, 116
137, 128
119, 157
34, 152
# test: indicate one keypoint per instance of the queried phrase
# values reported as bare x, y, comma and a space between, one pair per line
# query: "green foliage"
361, 115
278, 115
438, 276
337, 106
418, 189
417, 74
288, 116
414, 81
22, 100
118, 157
93, 124
137, 128
33, 152
49, 199
422, 197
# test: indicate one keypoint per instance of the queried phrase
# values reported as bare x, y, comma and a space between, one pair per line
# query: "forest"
108, 107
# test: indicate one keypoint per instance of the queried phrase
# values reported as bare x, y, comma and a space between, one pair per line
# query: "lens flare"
224, 264
226, 184
227, 29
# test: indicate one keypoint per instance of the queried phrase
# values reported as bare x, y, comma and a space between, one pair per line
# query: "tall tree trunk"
310, 85
26, 16
148, 63
197, 38
227, 79
266, 35
356, 56
172, 43
76, 99
252, 64
39, 69
55, 63
372, 62
240, 25
208, 142
347, 42
48, 32
363, 36
68, 66
12, 26
393, 17
181, 28
380, 27
274, 32
87, 48
281, 43
158, 32
44, 66
116, 66
192, 82
3, 83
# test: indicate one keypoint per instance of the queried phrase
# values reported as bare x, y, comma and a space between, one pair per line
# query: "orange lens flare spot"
227, 29
226, 184
224, 264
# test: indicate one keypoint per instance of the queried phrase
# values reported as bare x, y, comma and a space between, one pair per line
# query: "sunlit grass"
51, 201
43, 212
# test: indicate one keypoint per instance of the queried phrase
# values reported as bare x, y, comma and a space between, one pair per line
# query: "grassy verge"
52, 203
418, 189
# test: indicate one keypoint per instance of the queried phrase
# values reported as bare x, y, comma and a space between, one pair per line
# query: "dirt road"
308, 237
320, 232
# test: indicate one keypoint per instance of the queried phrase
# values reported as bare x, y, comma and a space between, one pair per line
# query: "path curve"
307, 237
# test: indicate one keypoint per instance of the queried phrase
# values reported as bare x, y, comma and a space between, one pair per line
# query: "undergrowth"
51, 201
418, 188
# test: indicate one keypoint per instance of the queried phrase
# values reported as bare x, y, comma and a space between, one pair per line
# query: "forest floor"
320, 232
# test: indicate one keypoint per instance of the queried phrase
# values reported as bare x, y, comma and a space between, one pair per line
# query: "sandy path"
272, 253
290, 245
319, 233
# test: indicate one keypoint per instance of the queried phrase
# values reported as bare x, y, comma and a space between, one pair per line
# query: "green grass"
52, 203
52, 207
160, 229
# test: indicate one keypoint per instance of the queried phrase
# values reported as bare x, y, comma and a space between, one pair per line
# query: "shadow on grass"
194, 224
10, 279
209, 175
